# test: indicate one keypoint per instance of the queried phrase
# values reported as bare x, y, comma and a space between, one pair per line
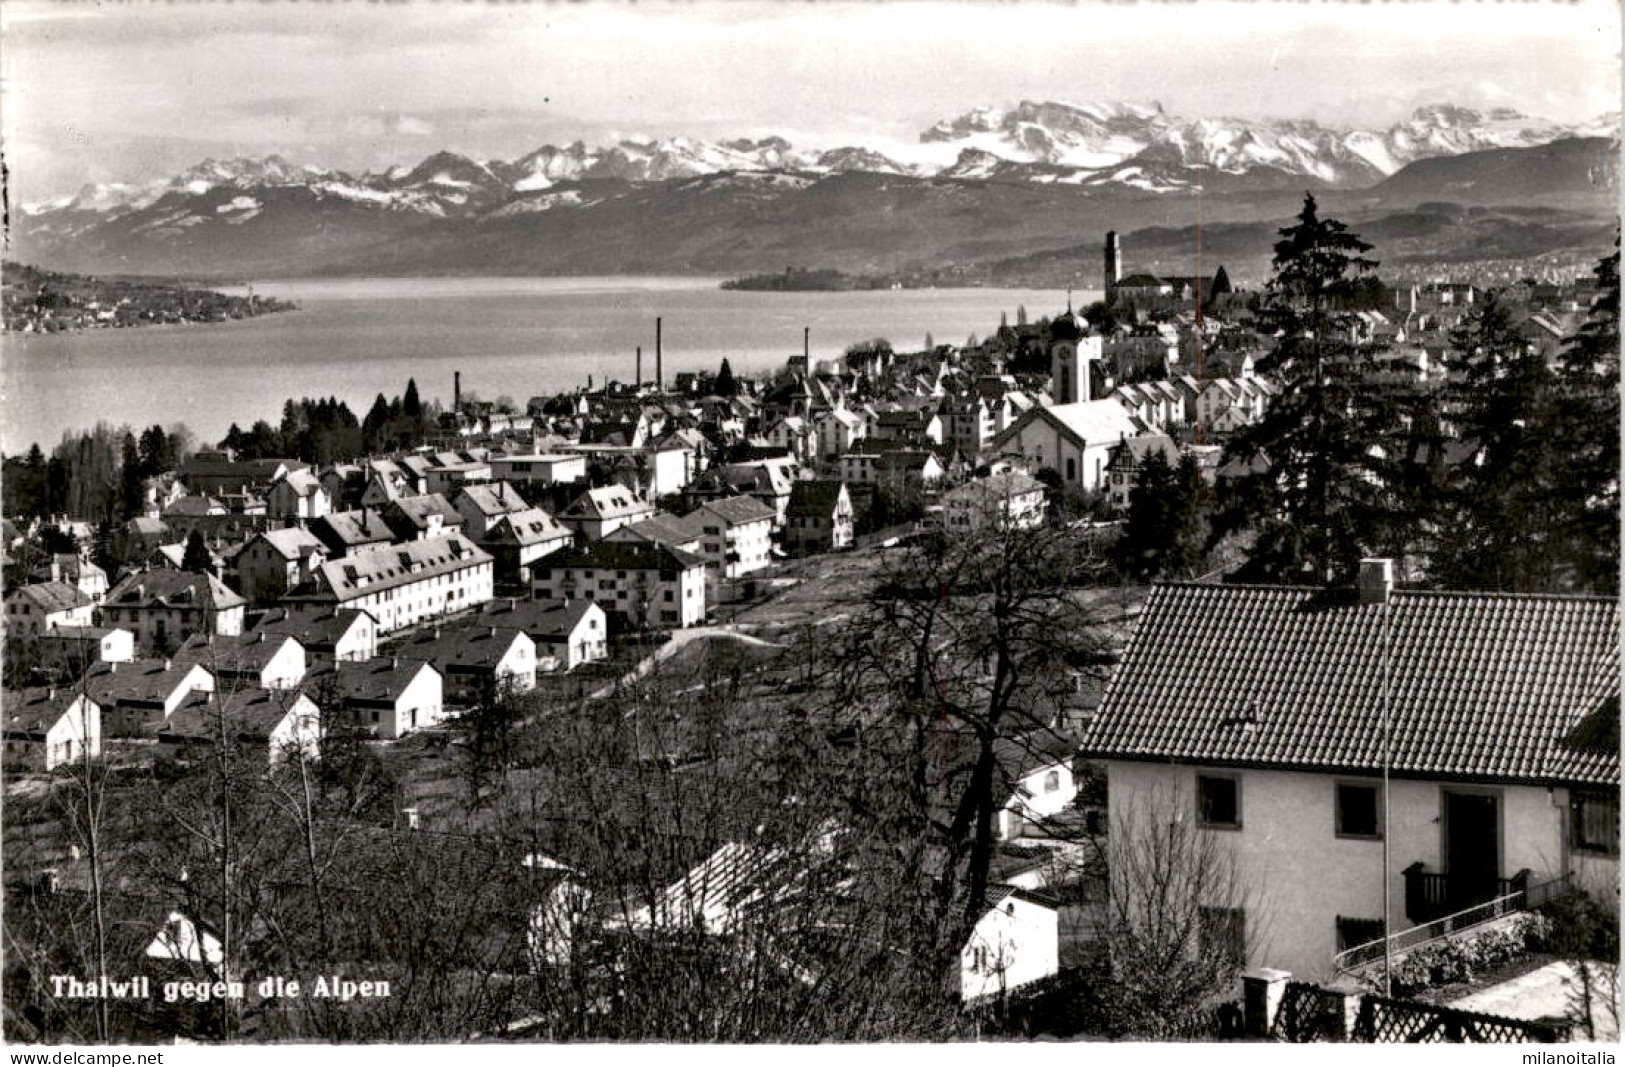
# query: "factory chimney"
639, 383
806, 345
456, 390
660, 377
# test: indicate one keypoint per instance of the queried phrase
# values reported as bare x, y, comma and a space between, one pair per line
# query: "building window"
1071, 470
1222, 935
1359, 810
1052, 781
1218, 801
1352, 933
1594, 822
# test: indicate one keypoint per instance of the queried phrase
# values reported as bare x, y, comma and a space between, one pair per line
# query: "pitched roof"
345, 529
622, 555
605, 502
468, 644
293, 542
235, 654
249, 713
51, 597
735, 510
414, 512
542, 620
166, 588
663, 528
532, 526
1483, 685
373, 569
815, 497
498, 498
142, 681
34, 711
316, 626
1089, 422
382, 678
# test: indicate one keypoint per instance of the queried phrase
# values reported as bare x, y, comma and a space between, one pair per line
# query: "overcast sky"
138, 91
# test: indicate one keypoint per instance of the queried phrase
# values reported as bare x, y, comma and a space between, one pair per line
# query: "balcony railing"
1520, 897
1430, 894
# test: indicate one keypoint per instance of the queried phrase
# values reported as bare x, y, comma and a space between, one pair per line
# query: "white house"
138, 696
257, 659
274, 561
1009, 500
482, 505
32, 610
520, 538
477, 660
736, 534
49, 727
275, 725
75, 648
298, 494
539, 467
1016, 942
566, 635
388, 697
1259, 714
1041, 784
599, 512
329, 634
402, 585
164, 607
648, 584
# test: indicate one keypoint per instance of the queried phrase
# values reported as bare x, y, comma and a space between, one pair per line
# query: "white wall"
1015, 943
1304, 876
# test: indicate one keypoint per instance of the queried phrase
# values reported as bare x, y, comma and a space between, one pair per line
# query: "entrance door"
1472, 836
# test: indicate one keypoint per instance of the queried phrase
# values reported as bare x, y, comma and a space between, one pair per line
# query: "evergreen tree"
1321, 455
1497, 525
131, 479
104, 548
373, 438
196, 558
411, 406
725, 385
1162, 537
1587, 427
1021, 314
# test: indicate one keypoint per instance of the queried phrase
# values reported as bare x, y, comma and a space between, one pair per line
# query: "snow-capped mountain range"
1138, 146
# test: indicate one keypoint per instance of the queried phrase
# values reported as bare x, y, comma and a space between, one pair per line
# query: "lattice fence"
1309, 1013
1383, 1019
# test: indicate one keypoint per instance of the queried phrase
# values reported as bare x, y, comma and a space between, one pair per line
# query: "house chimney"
1376, 580
660, 376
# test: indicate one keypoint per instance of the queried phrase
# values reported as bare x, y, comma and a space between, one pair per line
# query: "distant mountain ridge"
1007, 181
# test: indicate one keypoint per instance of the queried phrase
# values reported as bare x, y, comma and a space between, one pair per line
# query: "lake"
521, 337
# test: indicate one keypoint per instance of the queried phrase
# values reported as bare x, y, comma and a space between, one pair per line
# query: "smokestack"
806, 345
456, 390
660, 377
639, 382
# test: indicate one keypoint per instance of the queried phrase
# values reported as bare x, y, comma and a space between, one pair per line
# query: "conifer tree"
1587, 427
1316, 499
196, 558
1498, 527
725, 384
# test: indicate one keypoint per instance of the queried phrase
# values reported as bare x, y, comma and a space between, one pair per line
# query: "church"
1140, 291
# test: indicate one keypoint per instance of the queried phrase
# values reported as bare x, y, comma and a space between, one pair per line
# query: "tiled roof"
363, 526
662, 528
34, 711
1485, 686
499, 498
622, 555
142, 681
532, 526
52, 597
250, 714
468, 644
737, 509
815, 497
315, 626
607, 502
373, 569
234, 654
294, 542
383, 678
413, 512
542, 620
167, 588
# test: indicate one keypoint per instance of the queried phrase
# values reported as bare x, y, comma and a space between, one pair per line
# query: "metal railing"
1521, 899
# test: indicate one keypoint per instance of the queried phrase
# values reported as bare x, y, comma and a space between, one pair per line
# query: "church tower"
1074, 349
1113, 272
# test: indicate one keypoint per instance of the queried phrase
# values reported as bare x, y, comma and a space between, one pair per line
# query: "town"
1202, 662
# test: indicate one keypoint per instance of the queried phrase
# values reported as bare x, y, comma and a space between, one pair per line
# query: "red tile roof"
1486, 686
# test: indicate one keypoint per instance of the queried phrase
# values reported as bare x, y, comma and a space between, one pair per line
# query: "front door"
1472, 841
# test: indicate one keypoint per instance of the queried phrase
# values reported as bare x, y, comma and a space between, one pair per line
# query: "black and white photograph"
741, 523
